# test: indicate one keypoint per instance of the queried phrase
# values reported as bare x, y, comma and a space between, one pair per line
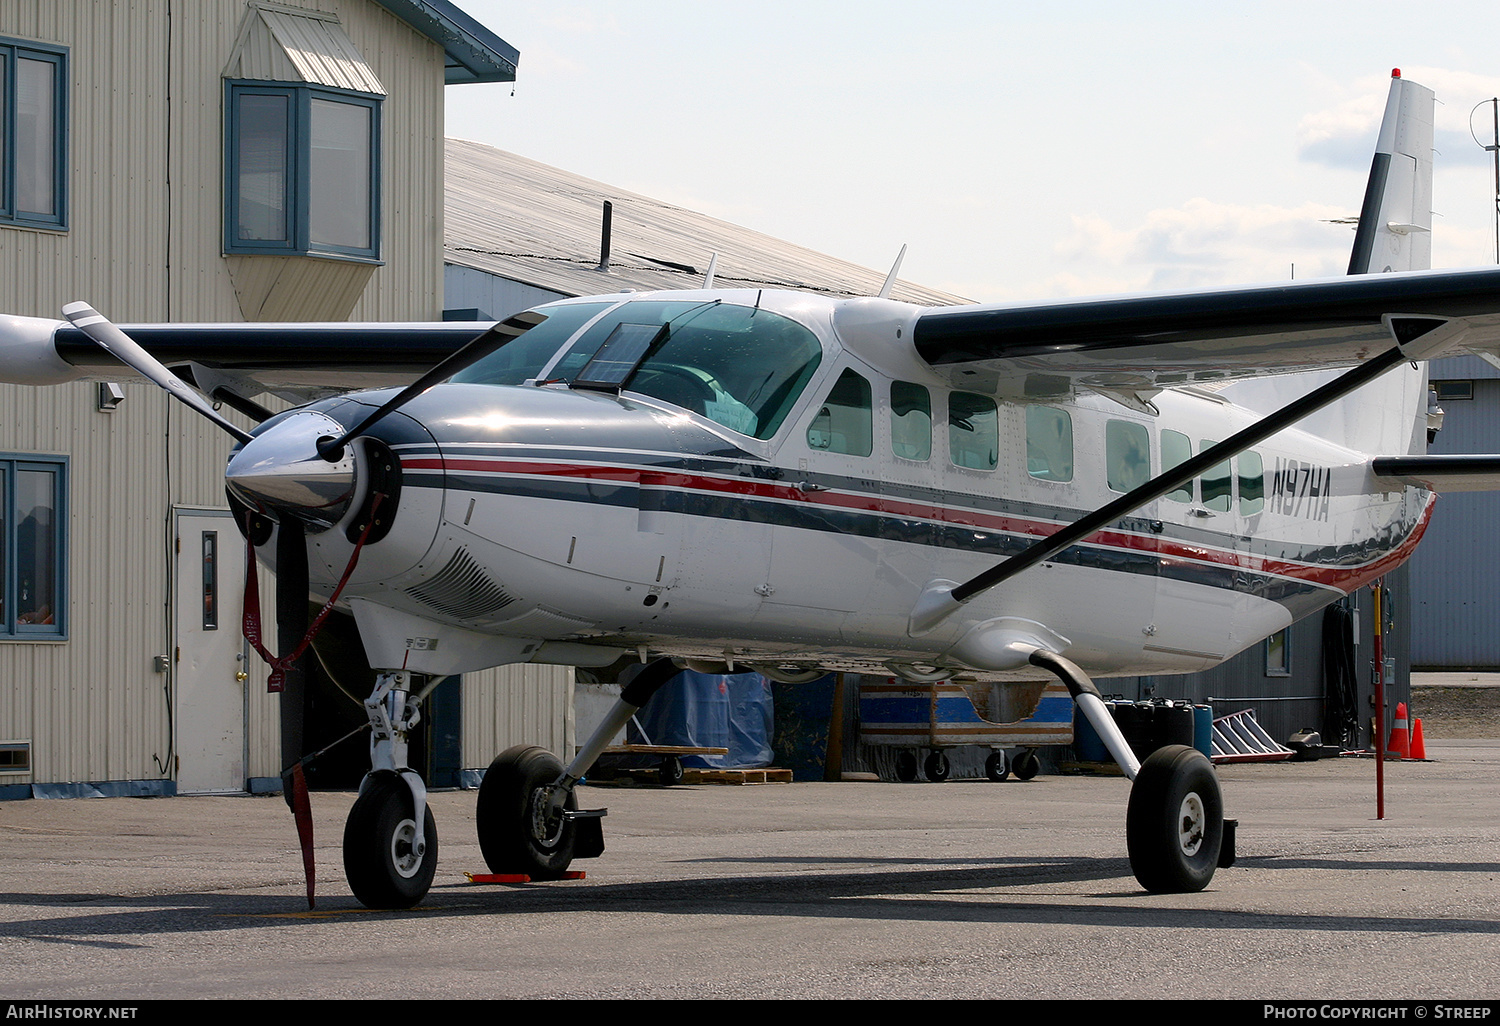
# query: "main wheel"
514, 834
1026, 765
937, 767
381, 861
906, 766
995, 767
1175, 823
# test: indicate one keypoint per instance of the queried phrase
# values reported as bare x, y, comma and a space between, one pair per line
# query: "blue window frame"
302, 171
33, 134
33, 547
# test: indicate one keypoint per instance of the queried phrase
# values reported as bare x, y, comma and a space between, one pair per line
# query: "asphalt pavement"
853, 890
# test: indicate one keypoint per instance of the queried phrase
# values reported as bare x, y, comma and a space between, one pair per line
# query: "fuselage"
774, 478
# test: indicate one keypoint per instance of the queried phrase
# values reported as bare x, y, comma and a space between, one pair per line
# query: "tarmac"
966, 889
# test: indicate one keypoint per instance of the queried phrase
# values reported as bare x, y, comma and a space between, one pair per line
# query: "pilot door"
208, 666
824, 545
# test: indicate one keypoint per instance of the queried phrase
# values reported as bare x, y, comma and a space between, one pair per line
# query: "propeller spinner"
280, 472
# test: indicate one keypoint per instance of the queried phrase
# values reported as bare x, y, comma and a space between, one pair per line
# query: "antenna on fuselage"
890, 279
713, 262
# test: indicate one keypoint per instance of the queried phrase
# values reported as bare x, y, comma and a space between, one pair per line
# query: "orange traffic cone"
1400, 743
1418, 747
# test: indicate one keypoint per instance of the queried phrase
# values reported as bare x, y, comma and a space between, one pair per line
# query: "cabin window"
1176, 449
1252, 483
1218, 485
844, 422
1127, 455
1049, 443
741, 367
911, 421
33, 134
973, 431
523, 357
33, 523
303, 171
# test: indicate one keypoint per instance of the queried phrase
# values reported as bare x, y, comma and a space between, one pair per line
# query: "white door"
209, 653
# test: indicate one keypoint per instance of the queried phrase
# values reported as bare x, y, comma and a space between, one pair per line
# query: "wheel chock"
518, 878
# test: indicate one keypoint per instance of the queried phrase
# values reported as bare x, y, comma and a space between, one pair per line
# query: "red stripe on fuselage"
1346, 579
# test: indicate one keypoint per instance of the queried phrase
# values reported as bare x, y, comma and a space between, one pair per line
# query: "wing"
301, 360
1143, 343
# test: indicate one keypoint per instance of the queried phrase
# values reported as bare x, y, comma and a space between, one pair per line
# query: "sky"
1022, 151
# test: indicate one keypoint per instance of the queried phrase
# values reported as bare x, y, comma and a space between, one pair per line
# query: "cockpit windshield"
523, 357
741, 367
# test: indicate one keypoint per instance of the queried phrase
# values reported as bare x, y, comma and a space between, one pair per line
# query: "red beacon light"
1395, 72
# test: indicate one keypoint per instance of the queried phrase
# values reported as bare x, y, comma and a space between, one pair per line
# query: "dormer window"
302, 139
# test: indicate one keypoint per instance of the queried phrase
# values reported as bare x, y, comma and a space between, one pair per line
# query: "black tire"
906, 766
670, 773
511, 835
1026, 765
937, 768
995, 767
1175, 824
382, 869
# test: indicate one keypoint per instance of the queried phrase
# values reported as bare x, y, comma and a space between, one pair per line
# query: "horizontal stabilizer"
1464, 473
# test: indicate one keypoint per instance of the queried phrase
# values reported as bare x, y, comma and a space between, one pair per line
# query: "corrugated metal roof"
528, 222
279, 45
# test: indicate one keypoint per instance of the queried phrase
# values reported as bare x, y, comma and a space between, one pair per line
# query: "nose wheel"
387, 865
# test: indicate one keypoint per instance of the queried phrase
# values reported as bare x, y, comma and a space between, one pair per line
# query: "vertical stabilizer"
1395, 222
1394, 234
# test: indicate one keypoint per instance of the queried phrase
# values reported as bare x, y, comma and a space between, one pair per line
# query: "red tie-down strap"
279, 665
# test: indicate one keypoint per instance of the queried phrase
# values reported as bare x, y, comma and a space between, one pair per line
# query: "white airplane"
796, 484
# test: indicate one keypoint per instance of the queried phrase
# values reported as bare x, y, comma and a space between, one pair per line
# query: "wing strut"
941, 598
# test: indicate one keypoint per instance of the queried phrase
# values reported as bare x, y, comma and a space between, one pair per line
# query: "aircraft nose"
279, 471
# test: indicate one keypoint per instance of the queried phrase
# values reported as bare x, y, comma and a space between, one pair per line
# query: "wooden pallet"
737, 776
641, 775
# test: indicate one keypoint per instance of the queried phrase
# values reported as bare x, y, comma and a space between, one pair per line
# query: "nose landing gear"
390, 839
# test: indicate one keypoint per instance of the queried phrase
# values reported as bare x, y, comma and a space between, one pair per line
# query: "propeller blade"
471, 353
123, 348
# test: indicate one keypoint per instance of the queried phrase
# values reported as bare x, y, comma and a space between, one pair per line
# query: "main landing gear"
528, 818
1175, 831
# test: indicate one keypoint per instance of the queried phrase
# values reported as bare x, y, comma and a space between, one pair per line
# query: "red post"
1375, 590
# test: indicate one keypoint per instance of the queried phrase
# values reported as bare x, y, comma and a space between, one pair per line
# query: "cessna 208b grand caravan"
795, 483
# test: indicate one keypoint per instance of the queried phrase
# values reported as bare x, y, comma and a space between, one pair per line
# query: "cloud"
1343, 136
1207, 244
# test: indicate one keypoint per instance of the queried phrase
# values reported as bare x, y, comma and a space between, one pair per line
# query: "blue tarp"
709, 710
